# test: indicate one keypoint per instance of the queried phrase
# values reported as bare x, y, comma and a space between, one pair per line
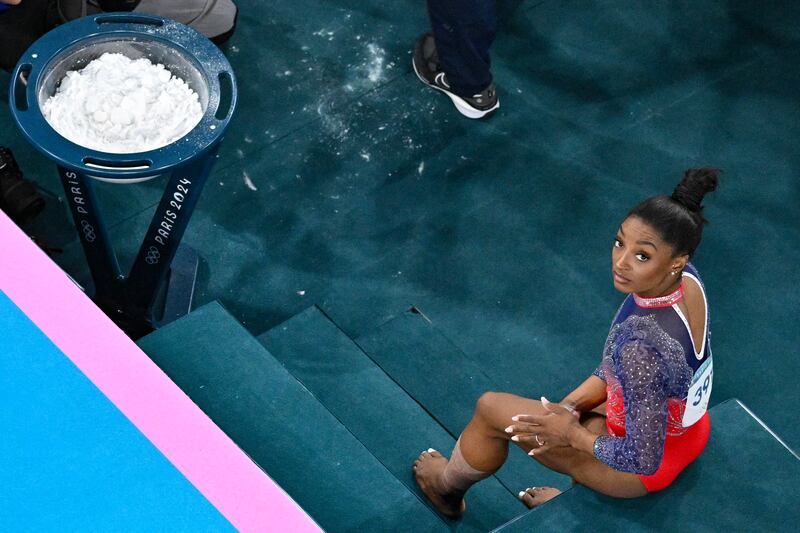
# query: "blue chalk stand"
160, 284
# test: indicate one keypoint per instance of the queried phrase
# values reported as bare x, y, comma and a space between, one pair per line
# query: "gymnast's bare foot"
536, 496
428, 470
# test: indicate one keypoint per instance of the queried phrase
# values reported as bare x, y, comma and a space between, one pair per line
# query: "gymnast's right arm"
587, 396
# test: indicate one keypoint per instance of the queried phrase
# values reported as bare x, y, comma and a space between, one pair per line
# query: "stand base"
174, 301
180, 285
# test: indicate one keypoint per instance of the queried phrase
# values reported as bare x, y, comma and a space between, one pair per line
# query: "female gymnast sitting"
641, 418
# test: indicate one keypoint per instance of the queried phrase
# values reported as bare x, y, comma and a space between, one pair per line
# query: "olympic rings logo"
88, 231
153, 256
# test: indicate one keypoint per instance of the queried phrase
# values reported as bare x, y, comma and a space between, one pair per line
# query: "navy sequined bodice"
649, 363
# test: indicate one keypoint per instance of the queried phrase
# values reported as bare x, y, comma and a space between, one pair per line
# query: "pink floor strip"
235, 485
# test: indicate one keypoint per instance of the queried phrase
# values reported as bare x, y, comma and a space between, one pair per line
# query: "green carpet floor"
345, 183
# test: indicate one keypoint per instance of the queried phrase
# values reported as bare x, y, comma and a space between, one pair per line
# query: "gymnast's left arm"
643, 378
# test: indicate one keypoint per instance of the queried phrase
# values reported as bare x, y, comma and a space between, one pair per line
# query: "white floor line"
751, 413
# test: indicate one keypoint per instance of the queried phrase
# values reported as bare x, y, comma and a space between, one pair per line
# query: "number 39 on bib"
699, 393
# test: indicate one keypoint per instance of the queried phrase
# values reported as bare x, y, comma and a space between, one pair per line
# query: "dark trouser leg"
464, 31
20, 26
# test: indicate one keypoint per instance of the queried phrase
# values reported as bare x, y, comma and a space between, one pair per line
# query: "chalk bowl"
184, 52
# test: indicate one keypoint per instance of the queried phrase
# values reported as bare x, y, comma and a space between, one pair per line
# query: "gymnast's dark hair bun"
679, 218
693, 187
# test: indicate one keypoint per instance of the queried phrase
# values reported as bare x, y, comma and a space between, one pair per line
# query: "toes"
527, 497
429, 451
536, 496
532, 496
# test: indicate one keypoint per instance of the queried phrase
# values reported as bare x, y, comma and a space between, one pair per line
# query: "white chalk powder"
119, 105
377, 57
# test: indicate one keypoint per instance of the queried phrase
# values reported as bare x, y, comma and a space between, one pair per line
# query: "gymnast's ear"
679, 263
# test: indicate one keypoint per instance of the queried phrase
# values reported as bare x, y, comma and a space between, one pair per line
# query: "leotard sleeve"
643, 379
600, 372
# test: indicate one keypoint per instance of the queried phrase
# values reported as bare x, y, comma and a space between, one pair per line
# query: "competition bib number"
699, 393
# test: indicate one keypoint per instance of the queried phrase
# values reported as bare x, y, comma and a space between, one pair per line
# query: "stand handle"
227, 98
100, 162
19, 86
127, 18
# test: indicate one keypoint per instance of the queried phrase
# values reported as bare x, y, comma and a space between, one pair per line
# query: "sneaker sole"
461, 105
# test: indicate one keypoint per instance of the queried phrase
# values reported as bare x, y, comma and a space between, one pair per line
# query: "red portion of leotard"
681, 447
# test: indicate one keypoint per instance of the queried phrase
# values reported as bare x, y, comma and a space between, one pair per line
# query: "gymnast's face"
642, 262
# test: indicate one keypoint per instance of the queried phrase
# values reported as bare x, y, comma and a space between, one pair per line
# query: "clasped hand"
545, 431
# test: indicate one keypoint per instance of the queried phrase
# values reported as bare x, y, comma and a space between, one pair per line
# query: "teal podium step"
745, 480
447, 383
392, 426
282, 427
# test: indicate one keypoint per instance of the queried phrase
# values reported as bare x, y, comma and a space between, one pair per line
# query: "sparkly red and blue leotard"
658, 385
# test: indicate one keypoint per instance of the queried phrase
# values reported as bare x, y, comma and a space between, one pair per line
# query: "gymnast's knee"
488, 405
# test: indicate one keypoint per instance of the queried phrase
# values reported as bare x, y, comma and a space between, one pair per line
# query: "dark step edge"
416, 311
447, 521
383, 370
413, 310
434, 419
